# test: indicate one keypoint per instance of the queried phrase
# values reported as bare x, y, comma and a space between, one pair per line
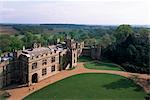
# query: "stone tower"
72, 45
96, 52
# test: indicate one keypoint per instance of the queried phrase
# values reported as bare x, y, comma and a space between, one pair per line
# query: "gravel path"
20, 93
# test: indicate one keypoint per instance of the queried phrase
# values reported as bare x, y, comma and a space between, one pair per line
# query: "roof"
4, 61
36, 51
41, 50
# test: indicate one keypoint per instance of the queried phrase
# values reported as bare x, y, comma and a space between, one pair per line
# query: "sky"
97, 12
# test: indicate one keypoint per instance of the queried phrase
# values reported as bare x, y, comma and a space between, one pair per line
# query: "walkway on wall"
19, 93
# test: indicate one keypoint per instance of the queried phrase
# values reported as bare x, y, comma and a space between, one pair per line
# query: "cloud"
89, 12
3, 9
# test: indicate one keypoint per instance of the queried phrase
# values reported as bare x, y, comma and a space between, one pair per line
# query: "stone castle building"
93, 52
30, 66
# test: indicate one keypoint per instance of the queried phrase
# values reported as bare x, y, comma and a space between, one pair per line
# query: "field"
90, 86
7, 30
89, 63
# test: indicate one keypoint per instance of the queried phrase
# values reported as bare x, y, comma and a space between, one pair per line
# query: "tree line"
125, 45
130, 50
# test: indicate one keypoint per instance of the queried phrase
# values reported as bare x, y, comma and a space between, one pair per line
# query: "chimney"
23, 48
39, 45
58, 40
35, 45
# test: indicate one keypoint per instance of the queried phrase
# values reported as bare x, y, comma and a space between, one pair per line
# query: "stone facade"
30, 66
94, 52
5, 71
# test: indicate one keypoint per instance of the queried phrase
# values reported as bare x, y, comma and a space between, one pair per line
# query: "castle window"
74, 61
34, 65
53, 59
44, 71
31, 58
37, 56
44, 62
46, 54
53, 68
74, 55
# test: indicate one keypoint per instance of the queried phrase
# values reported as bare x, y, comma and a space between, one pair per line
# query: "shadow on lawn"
123, 84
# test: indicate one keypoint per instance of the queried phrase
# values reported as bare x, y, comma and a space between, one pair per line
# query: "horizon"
72, 24
109, 12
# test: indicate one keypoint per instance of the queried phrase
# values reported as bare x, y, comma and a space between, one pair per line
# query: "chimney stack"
23, 48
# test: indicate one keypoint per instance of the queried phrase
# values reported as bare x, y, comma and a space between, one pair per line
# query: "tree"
122, 32
9, 43
15, 43
28, 39
131, 50
4, 43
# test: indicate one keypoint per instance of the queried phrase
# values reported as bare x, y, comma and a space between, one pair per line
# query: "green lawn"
84, 59
101, 66
2, 98
91, 64
90, 86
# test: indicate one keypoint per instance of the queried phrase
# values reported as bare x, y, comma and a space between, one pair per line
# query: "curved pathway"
20, 93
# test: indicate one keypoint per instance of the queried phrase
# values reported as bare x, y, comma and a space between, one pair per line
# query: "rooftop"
41, 50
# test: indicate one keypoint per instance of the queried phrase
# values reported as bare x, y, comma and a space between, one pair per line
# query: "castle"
29, 66
93, 52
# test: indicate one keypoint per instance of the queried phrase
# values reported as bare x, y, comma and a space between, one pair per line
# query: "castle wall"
93, 52
1, 77
86, 52
5, 73
74, 57
40, 66
98, 54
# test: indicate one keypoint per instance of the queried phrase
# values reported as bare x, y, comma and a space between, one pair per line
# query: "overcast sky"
75, 11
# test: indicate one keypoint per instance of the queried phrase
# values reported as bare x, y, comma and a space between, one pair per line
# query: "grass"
1, 95
101, 66
84, 59
91, 64
2, 98
90, 86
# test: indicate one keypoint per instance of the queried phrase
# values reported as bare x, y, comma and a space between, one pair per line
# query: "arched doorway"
35, 78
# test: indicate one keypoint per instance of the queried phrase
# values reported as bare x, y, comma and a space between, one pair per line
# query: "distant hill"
54, 28
46, 28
